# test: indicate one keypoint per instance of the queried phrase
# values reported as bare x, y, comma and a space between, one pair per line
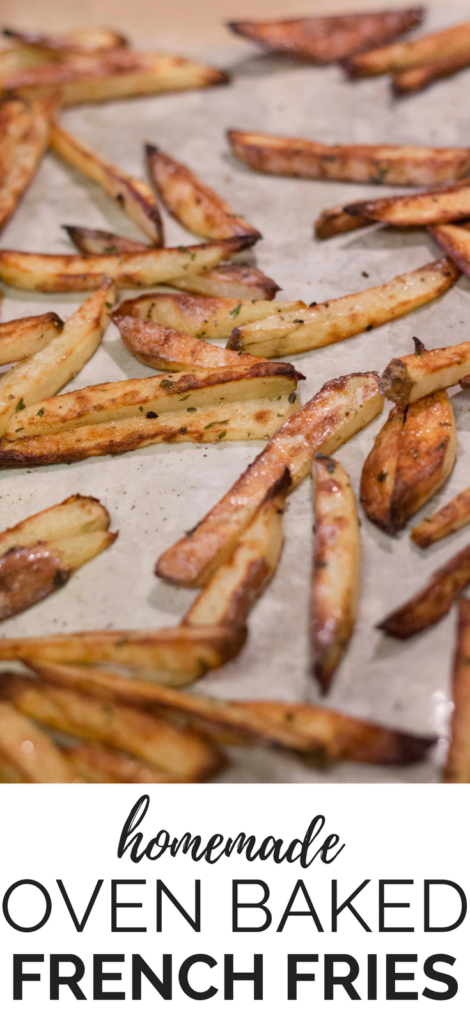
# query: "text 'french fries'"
22, 338
202, 316
457, 767
455, 240
336, 568
420, 209
431, 603
378, 165
329, 322
452, 517
401, 55
413, 376
340, 409
134, 197
24, 130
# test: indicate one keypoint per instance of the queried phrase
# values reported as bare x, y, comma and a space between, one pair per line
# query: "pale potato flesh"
166, 349
202, 316
74, 517
455, 240
452, 517
22, 338
24, 127
32, 756
412, 377
418, 209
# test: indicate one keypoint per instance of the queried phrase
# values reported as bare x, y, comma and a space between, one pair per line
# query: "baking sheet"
155, 494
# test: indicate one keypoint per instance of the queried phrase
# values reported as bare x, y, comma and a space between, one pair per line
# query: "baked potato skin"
452, 517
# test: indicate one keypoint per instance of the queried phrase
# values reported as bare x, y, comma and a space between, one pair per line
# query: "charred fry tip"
419, 346
151, 148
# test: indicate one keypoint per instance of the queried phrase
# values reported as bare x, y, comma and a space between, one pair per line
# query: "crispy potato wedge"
433, 602
133, 196
173, 656
193, 204
452, 517
202, 316
24, 129
323, 40
412, 377
234, 281
239, 582
420, 209
22, 338
115, 75
455, 240
60, 360
402, 55
405, 83
81, 41
336, 568
378, 165
319, 732
166, 349
26, 753
43, 273
335, 221
457, 767
163, 745
329, 322
74, 517
340, 409
412, 457
93, 763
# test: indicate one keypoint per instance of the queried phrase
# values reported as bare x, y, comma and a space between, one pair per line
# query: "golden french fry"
94, 763
81, 41
44, 273
326, 39
404, 83
379, 471
202, 316
60, 360
22, 338
401, 55
24, 130
336, 568
26, 753
335, 221
455, 240
133, 197
94, 242
452, 517
457, 767
196, 206
433, 602
377, 165
329, 322
114, 75
412, 377
420, 209
165, 349
315, 731
340, 409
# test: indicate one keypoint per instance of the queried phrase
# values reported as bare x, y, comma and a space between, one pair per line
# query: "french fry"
115, 75
202, 316
412, 377
329, 322
96, 764
455, 240
22, 338
166, 349
177, 750
412, 458
323, 40
238, 583
60, 360
336, 568
377, 165
335, 221
43, 273
457, 767
405, 83
94, 242
452, 517
24, 129
340, 409
173, 656
196, 206
317, 732
26, 753
420, 209
81, 41
401, 55
433, 602
134, 197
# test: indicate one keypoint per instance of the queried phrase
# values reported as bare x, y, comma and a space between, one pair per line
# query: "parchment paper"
155, 494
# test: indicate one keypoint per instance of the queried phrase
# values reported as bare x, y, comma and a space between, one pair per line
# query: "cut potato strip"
165, 349
26, 753
323, 40
44, 273
412, 457
452, 517
173, 656
193, 204
96, 764
236, 585
22, 338
455, 240
320, 733
51, 368
115, 75
335, 221
402, 55
413, 376
134, 197
24, 130
433, 602
405, 83
94, 242
74, 517
457, 767
338, 319
81, 41
200, 316
336, 568
376, 165
340, 409
420, 209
